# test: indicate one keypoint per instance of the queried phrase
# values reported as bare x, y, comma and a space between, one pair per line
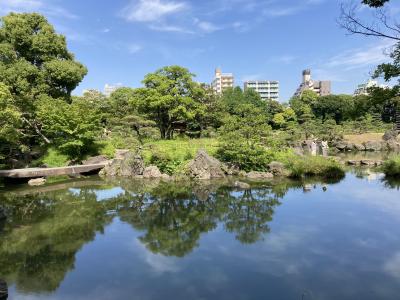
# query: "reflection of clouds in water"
159, 263
392, 266
101, 195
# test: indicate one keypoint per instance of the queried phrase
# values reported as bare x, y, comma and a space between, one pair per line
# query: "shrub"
300, 166
391, 167
165, 162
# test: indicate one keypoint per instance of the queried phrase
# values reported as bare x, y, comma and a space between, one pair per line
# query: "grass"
180, 149
171, 156
301, 166
391, 167
54, 158
363, 138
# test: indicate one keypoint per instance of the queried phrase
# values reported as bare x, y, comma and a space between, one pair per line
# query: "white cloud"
7, 6
361, 57
207, 27
170, 28
392, 266
106, 30
134, 48
290, 10
151, 10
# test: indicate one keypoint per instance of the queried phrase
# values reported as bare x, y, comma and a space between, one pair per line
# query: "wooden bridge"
46, 172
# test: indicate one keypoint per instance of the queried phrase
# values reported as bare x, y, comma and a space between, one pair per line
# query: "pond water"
91, 239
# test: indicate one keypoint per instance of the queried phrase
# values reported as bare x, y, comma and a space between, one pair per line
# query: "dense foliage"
40, 122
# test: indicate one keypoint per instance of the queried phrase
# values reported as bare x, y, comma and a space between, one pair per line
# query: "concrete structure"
108, 88
322, 88
45, 172
363, 89
265, 88
222, 81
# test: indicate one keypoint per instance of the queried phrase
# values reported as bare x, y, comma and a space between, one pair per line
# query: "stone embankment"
390, 142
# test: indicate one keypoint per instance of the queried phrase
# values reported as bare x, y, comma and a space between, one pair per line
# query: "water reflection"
48, 226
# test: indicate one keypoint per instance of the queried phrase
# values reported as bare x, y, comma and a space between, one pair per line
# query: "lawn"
362, 138
181, 148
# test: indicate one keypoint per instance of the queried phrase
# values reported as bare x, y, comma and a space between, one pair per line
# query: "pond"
92, 239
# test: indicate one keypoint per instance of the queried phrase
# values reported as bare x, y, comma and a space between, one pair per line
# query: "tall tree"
170, 96
35, 61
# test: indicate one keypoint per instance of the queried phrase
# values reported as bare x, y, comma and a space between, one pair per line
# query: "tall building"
222, 81
322, 88
265, 88
108, 88
363, 89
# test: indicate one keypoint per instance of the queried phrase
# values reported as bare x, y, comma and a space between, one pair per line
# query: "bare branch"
353, 25
37, 130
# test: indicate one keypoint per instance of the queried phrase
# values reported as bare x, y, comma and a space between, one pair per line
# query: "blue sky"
122, 40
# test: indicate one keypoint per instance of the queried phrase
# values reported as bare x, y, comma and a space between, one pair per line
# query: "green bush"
300, 166
165, 162
391, 167
54, 158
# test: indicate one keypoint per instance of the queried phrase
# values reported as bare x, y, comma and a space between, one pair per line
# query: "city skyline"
122, 41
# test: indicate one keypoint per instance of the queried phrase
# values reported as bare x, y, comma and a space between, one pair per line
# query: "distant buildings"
363, 89
265, 88
108, 89
222, 81
322, 88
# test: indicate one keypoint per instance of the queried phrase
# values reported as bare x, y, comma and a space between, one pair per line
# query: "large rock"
373, 146
37, 181
152, 172
259, 175
204, 166
95, 160
390, 135
392, 145
359, 147
310, 147
127, 165
277, 169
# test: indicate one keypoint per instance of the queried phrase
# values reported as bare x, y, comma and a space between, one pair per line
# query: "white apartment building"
363, 89
265, 88
222, 81
108, 88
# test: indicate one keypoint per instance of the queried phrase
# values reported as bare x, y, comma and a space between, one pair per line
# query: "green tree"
71, 127
244, 138
35, 62
10, 123
170, 96
337, 107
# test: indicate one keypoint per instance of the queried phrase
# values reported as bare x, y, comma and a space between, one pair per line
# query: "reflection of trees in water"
44, 231
392, 182
42, 235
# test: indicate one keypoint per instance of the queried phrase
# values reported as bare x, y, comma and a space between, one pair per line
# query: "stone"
127, 165
392, 145
277, 169
341, 145
120, 153
95, 160
152, 172
323, 148
353, 162
373, 146
367, 162
359, 147
310, 147
390, 135
241, 185
259, 175
204, 166
37, 181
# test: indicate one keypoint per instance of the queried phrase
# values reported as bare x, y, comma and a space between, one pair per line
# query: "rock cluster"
127, 165
204, 166
390, 145
365, 162
95, 160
